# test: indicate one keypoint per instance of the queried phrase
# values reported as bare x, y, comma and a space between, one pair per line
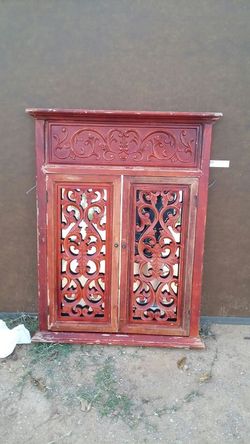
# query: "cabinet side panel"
200, 231
41, 225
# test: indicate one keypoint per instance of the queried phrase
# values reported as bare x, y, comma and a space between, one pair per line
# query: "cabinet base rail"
119, 339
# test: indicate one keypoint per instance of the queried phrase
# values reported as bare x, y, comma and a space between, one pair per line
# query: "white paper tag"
219, 163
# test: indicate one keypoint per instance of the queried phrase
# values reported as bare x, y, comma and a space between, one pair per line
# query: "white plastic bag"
10, 337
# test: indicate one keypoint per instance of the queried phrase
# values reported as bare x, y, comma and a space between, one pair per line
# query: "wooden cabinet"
122, 202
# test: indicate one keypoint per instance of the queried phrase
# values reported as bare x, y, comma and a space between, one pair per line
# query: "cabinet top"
124, 138
116, 115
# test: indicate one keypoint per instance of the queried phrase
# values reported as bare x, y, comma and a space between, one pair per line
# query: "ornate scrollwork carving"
121, 144
62, 146
124, 145
160, 145
86, 143
157, 251
82, 277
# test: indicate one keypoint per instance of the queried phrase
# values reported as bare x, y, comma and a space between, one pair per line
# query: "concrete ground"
67, 394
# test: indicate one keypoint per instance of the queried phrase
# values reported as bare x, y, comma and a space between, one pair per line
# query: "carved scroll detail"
123, 145
83, 243
157, 252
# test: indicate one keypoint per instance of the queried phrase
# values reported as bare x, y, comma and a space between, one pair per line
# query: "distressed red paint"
122, 200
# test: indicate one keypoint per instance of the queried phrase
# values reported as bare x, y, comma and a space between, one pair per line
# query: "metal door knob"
116, 245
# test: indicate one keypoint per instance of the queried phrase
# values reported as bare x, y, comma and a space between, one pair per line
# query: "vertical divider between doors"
125, 252
120, 253
123, 259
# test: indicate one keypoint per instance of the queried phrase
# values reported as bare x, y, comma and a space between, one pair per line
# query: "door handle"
124, 245
116, 245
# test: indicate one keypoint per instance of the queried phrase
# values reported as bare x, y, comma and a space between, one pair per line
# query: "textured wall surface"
168, 55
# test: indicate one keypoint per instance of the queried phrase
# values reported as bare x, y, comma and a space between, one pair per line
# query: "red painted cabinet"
122, 202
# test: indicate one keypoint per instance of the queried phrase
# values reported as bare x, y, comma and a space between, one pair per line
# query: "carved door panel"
84, 226
83, 233
159, 217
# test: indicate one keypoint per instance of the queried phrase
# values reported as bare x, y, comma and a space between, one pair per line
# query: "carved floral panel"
157, 253
159, 146
83, 247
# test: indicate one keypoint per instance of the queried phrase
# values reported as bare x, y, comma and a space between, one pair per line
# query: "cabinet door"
83, 233
159, 216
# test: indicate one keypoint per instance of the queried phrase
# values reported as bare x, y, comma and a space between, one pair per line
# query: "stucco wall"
164, 55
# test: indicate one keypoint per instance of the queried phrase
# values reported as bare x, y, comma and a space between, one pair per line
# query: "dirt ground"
67, 394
